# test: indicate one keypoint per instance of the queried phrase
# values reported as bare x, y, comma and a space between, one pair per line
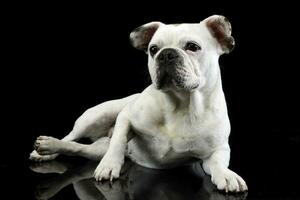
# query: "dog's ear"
141, 36
220, 29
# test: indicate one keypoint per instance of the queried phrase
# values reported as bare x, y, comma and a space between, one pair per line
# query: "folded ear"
220, 29
141, 36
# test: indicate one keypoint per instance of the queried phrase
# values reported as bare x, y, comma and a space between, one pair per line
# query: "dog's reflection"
136, 182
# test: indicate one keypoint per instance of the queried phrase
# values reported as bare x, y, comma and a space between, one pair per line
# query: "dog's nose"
167, 56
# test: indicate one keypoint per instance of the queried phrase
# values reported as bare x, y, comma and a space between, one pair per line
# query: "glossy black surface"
271, 173
135, 183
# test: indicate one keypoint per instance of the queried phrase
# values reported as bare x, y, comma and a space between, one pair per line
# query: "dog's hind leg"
45, 148
95, 151
93, 123
37, 156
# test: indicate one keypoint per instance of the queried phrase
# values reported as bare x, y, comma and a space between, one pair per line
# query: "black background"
59, 60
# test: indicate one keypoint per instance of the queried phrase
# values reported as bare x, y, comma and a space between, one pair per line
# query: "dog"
181, 117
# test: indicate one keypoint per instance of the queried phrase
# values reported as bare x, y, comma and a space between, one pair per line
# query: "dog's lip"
176, 83
168, 80
162, 81
167, 75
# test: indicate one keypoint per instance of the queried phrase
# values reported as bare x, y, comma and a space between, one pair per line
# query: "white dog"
181, 117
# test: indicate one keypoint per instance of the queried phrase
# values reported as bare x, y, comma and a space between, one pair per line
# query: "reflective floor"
271, 172
136, 182
71, 178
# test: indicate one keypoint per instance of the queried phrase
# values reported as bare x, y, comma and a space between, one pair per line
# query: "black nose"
167, 56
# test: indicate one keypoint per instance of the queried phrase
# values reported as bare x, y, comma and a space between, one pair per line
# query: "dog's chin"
176, 83
181, 85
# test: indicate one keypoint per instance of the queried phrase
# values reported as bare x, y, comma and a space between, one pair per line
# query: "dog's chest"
175, 137
186, 137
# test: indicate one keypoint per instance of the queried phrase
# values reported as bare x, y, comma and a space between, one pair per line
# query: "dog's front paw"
109, 167
229, 181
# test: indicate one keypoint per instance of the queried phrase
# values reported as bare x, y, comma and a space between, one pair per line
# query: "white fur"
171, 126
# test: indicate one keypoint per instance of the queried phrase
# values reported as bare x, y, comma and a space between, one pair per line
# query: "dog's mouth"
166, 79
177, 78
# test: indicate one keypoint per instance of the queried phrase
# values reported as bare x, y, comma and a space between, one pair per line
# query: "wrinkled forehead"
176, 33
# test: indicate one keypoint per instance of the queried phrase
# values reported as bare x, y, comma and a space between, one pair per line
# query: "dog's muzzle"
167, 61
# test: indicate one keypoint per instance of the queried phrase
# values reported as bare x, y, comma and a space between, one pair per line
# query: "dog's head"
180, 55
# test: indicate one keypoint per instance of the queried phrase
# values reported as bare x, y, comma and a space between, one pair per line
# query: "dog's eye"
191, 46
153, 50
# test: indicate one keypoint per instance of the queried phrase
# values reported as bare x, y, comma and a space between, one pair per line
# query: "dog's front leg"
217, 166
111, 163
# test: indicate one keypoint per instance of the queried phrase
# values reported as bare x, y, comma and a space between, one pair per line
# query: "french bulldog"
181, 117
